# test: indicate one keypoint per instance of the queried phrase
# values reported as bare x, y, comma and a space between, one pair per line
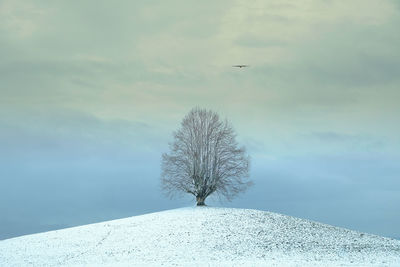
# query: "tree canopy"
205, 158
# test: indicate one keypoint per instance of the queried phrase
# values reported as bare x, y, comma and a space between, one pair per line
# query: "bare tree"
205, 158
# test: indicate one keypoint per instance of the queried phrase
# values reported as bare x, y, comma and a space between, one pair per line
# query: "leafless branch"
205, 158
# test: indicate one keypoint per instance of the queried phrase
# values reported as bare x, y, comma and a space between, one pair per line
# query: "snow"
202, 236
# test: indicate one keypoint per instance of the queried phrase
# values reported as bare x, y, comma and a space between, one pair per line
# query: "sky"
91, 91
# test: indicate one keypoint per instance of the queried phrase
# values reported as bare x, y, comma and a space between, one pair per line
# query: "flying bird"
240, 66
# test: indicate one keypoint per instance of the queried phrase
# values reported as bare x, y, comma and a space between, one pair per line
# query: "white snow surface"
202, 236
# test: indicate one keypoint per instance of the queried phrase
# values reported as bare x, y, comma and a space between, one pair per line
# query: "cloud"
69, 136
353, 142
20, 19
254, 41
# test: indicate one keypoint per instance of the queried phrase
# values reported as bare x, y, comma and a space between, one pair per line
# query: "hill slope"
205, 235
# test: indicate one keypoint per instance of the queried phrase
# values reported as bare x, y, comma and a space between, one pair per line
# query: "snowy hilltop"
202, 236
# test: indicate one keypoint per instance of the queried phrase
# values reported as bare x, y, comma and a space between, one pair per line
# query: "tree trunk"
200, 201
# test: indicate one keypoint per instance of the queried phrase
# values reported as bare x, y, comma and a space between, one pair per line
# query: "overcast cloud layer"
91, 91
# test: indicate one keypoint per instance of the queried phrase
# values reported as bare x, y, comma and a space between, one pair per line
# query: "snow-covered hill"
202, 236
